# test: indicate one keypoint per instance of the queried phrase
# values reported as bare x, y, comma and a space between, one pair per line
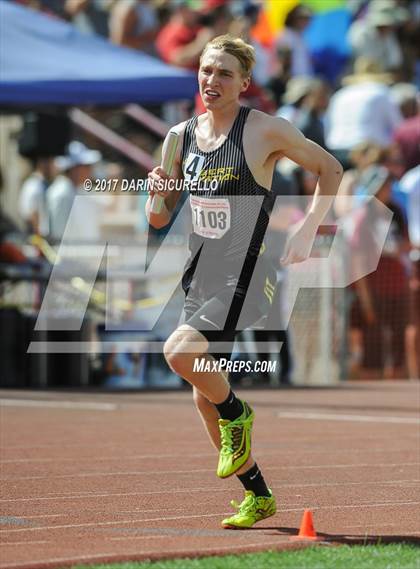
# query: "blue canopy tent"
47, 61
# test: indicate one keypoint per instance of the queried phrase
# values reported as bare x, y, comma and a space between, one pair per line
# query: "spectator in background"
280, 75
361, 110
181, 41
361, 157
75, 168
135, 24
381, 307
306, 101
407, 135
89, 16
408, 36
50, 7
32, 199
177, 41
302, 329
297, 20
297, 89
405, 96
394, 161
410, 185
374, 36
10, 252
312, 110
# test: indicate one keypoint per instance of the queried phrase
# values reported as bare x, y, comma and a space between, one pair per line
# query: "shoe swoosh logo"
204, 319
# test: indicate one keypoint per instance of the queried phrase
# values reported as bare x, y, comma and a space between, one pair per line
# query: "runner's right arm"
157, 176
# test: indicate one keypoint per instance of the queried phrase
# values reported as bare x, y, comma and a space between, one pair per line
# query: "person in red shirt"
407, 135
181, 41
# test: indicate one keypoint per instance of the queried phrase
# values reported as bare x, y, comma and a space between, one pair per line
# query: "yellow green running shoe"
252, 510
235, 438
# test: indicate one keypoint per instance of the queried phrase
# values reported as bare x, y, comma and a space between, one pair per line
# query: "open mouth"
210, 94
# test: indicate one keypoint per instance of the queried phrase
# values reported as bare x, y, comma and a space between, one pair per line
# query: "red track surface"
105, 477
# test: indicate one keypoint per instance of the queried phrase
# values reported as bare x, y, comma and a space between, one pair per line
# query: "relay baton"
167, 163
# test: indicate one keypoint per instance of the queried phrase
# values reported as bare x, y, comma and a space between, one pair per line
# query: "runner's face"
220, 79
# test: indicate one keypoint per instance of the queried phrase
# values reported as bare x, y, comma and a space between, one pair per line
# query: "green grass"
393, 556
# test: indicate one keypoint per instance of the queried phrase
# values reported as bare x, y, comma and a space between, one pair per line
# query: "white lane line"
203, 470
396, 525
405, 483
342, 417
58, 404
291, 508
60, 445
375, 525
117, 522
118, 458
24, 543
118, 513
91, 495
261, 454
93, 474
193, 516
3, 519
138, 537
331, 439
340, 506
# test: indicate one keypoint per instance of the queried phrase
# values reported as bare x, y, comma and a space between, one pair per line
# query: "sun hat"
297, 88
366, 69
386, 13
78, 155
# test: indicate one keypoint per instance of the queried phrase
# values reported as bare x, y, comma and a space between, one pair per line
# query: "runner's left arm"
285, 140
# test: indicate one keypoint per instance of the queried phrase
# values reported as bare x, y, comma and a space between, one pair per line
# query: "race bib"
210, 217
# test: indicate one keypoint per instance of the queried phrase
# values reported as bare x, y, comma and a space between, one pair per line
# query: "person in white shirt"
32, 200
362, 110
75, 167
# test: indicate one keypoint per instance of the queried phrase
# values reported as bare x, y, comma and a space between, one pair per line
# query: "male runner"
238, 148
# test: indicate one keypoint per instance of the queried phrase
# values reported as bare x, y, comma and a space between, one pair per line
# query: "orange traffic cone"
306, 530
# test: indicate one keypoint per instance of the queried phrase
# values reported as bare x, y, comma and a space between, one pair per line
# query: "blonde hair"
237, 47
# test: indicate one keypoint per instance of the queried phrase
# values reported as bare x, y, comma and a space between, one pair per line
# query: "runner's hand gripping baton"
167, 163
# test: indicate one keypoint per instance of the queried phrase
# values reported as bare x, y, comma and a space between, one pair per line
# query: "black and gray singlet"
230, 213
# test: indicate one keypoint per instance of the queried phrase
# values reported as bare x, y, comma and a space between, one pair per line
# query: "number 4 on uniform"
193, 166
